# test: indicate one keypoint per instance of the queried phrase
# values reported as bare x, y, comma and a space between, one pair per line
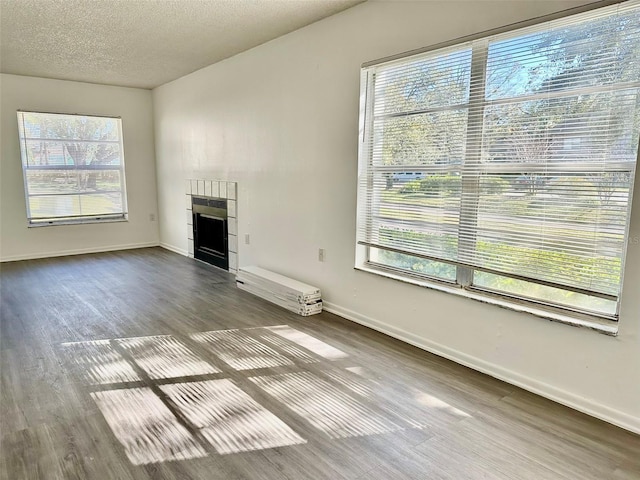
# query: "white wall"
135, 106
282, 120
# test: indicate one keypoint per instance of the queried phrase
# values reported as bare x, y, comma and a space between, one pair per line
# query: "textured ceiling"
142, 43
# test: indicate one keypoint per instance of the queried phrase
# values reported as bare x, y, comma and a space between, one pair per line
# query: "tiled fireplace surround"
215, 189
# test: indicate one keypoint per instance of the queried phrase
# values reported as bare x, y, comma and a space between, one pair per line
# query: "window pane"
568, 229
58, 126
51, 206
72, 181
414, 265
429, 82
600, 51
52, 181
44, 153
599, 127
72, 165
101, 204
68, 206
108, 180
543, 293
93, 181
418, 215
71, 152
425, 139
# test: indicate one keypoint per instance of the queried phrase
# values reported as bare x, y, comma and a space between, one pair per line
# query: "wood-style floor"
323, 398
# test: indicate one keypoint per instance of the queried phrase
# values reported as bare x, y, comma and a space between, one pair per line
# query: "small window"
504, 165
73, 168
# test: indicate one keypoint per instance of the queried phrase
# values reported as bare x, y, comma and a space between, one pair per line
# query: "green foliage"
435, 185
493, 186
411, 187
421, 266
553, 264
447, 245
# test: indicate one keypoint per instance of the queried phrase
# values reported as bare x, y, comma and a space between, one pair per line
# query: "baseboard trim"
79, 251
173, 249
594, 409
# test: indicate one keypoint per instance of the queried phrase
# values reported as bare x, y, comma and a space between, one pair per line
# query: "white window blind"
73, 168
506, 163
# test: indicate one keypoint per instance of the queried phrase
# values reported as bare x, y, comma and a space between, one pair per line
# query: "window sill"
77, 222
599, 325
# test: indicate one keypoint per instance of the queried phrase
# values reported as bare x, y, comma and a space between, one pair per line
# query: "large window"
505, 164
73, 168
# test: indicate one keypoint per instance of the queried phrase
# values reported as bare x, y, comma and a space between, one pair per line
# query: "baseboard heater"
291, 294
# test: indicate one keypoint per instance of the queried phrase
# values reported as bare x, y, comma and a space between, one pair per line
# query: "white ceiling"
142, 43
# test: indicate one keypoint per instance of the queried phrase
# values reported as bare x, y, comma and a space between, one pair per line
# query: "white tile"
190, 255
223, 189
231, 190
215, 188
190, 247
194, 187
200, 187
189, 217
233, 226
233, 243
188, 201
231, 208
207, 188
233, 261
187, 187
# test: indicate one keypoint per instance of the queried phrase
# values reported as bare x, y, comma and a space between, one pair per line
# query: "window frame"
464, 281
70, 219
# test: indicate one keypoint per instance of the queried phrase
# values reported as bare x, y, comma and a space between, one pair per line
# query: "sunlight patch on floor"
145, 427
286, 346
431, 402
163, 356
307, 341
323, 405
174, 417
349, 380
100, 363
239, 350
229, 418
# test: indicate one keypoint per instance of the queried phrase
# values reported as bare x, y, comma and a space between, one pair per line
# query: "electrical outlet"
247, 240
152, 217
321, 254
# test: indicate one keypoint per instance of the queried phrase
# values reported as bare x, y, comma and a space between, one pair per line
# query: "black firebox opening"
210, 241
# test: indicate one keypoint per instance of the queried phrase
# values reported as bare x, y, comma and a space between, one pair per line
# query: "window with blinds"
505, 164
73, 168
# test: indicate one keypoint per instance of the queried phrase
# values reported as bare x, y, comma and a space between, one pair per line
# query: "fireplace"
210, 231
206, 190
